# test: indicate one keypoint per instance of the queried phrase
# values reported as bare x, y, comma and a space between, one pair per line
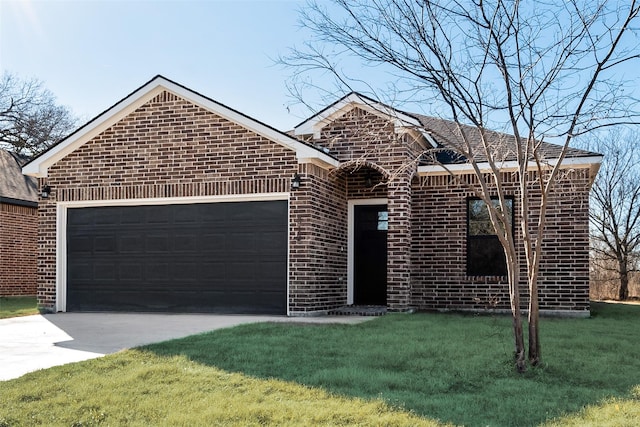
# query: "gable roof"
442, 134
16, 188
39, 166
402, 120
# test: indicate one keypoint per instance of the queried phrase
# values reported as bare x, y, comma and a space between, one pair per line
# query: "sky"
92, 53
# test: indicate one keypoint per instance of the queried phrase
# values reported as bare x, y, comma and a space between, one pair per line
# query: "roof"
39, 166
444, 136
402, 120
446, 132
16, 188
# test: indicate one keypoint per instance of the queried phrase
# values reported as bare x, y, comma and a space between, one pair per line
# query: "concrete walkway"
37, 342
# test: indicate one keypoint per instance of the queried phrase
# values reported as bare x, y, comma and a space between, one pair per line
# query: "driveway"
37, 342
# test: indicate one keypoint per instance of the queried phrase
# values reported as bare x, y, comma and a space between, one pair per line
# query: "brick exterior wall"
438, 255
172, 148
426, 241
18, 236
369, 144
166, 148
318, 243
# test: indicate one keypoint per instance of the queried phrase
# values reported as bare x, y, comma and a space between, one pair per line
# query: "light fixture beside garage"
46, 190
296, 181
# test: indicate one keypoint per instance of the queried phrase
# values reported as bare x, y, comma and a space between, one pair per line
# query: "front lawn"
449, 367
17, 306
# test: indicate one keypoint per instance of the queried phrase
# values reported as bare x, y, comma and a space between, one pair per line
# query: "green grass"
138, 388
453, 368
17, 306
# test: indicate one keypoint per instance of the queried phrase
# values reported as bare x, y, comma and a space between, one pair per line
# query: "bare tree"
538, 71
30, 120
615, 208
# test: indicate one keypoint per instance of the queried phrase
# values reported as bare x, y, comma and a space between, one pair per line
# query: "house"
18, 227
171, 201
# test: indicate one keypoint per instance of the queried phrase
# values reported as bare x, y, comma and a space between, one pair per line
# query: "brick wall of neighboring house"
18, 235
166, 148
438, 249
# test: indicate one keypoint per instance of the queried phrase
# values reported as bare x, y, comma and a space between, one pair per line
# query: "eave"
39, 166
591, 162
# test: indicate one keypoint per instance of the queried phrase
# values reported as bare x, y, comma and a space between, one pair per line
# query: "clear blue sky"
92, 53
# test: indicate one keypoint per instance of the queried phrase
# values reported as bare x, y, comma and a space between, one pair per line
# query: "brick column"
399, 244
47, 251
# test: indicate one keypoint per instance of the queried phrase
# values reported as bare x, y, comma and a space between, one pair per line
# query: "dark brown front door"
370, 254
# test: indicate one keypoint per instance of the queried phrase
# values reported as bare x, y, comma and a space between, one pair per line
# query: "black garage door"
213, 257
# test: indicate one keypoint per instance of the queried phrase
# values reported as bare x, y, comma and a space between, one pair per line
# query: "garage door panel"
156, 272
79, 244
157, 243
105, 271
186, 214
133, 215
105, 243
130, 272
79, 272
131, 243
218, 257
157, 214
186, 242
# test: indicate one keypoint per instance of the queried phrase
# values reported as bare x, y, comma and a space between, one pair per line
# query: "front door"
370, 255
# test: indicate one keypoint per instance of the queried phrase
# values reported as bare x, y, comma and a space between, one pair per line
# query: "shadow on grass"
455, 368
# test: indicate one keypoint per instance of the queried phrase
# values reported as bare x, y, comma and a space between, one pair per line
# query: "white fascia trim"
317, 161
40, 166
61, 227
350, 236
315, 124
302, 150
590, 162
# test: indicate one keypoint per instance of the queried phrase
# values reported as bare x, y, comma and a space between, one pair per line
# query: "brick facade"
166, 148
172, 148
18, 249
438, 255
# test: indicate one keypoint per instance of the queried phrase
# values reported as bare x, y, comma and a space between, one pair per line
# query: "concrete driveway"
37, 342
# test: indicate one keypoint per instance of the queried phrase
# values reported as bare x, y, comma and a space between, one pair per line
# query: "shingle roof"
16, 188
448, 133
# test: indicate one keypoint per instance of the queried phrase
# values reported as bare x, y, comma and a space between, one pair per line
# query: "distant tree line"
615, 216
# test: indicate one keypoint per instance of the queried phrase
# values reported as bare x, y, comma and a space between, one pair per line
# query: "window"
383, 221
485, 256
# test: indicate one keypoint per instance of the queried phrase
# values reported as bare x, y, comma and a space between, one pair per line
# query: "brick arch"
353, 165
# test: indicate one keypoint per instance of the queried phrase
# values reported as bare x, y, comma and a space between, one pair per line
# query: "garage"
227, 257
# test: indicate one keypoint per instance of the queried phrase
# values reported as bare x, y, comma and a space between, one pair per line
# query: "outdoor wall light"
44, 193
296, 181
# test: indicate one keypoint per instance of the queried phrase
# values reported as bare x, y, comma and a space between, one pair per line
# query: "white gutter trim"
40, 166
315, 124
508, 166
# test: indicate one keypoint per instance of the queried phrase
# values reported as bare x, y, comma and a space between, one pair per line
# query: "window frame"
499, 270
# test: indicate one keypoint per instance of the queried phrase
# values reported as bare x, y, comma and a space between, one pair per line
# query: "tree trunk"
534, 337
518, 334
623, 293
521, 364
